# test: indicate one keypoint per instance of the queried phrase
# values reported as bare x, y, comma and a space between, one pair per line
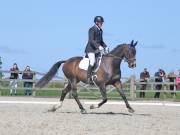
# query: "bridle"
129, 59
107, 54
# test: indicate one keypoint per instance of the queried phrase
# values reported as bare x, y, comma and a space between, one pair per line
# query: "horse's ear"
135, 43
132, 42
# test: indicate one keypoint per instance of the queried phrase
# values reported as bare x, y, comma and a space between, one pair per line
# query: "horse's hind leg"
118, 85
63, 95
75, 95
104, 96
65, 91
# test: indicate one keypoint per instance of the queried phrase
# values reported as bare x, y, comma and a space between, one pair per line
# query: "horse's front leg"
104, 96
118, 85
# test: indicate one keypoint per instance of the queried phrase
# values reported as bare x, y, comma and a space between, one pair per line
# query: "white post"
33, 88
174, 95
132, 87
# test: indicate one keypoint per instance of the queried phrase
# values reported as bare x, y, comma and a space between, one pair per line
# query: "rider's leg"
91, 64
89, 73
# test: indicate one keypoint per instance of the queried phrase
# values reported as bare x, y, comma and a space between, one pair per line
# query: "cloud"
6, 49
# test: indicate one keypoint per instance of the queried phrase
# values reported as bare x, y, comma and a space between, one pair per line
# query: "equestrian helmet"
98, 19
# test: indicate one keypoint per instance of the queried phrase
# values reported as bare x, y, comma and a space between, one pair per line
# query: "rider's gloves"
107, 50
101, 48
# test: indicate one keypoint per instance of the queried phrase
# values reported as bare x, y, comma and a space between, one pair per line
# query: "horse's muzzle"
133, 65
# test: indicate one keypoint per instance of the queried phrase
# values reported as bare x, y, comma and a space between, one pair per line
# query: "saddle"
84, 63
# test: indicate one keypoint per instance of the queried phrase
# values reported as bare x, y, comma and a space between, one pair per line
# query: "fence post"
33, 88
174, 94
132, 87
165, 89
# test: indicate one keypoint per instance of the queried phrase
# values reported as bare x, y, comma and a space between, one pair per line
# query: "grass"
87, 94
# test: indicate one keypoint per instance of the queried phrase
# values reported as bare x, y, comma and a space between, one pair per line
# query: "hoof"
53, 109
83, 111
92, 107
131, 110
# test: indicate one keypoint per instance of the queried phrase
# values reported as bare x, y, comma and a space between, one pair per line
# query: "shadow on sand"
104, 113
109, 113
93, 113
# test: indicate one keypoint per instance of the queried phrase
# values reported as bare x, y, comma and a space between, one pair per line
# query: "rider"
95, 43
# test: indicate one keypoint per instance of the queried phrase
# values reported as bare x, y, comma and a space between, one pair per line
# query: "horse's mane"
117, 48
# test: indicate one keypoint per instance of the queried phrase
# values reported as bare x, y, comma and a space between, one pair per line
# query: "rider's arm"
91, 39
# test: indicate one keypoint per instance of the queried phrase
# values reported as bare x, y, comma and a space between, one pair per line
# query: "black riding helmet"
98, 19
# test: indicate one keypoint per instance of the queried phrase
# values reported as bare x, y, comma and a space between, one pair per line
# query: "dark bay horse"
109, 73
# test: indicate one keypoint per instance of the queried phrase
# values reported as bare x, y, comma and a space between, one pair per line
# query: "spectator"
172, 78
28, 75
178, 80
14, 75
144, 76
159, 76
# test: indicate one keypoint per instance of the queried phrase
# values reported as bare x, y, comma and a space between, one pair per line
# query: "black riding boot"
89, 72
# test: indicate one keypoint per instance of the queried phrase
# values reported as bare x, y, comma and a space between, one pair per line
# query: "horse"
109, 73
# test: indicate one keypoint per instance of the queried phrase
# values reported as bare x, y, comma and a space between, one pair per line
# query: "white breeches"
91, 58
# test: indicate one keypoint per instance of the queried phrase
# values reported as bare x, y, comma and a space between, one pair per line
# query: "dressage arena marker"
95, 102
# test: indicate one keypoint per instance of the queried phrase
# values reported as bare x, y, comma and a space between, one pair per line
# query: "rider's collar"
98, 27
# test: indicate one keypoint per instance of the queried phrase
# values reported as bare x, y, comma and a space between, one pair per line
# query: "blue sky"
40, 32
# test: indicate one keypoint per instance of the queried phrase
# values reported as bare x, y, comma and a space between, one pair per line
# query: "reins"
111, 55
116, 57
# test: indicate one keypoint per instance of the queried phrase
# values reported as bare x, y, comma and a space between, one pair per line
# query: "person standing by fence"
159, 78
178, 80
172, 78
27, 74
144, 76
14, 75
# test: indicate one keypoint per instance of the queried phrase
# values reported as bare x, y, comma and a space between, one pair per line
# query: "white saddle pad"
84, 63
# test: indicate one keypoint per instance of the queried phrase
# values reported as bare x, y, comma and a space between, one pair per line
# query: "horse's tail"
51, 73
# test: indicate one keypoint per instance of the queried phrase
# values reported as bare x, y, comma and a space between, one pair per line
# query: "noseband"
129, 59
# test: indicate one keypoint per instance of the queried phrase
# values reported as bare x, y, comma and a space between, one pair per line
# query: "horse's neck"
118, 51
118, 54
113, 60
117, 63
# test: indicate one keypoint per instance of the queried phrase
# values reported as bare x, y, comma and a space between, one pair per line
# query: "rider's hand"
107, 50
101, 48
